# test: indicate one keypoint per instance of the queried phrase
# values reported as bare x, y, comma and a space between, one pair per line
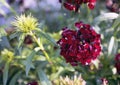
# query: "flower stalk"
27, 24
41, 47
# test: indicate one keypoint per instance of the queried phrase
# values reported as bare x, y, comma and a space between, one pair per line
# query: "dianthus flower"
117, 63
81, 45
73, 5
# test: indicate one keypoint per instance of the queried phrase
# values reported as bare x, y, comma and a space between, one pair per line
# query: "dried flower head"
25, 23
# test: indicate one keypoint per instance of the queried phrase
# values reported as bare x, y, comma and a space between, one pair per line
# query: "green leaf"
4, 3
4, 43
104, 17
113, 45
56, 75
13, 35
21, 39
47, 36
116, 23
70, 68
15, 77
5, 73
2, 32
43, 77
28, 63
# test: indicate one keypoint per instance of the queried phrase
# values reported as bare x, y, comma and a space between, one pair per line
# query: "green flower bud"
25, 23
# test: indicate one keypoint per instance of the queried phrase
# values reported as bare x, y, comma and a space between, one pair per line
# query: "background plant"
24, 63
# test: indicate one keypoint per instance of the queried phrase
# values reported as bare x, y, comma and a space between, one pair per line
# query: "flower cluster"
73, 5
82, 45
117, 63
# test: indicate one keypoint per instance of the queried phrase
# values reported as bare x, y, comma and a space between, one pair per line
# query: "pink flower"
81, 45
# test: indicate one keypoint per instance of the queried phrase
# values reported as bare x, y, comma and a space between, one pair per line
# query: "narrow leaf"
4, 3
43, 77
21, 40
15, 77
5, 73
28, 63
105, 16
116, 23
47, 36
13, 35
111, 44
2, 32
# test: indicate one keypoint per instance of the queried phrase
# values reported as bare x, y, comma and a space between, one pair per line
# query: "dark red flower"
81, 45
73, 5
32, 83
28, 40
117, 63
117, 58
69, 6
113, 5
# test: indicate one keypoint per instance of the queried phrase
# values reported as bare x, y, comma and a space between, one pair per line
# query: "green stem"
41, 47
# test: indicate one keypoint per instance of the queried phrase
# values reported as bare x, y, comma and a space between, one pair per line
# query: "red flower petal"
69, 6
82, 45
